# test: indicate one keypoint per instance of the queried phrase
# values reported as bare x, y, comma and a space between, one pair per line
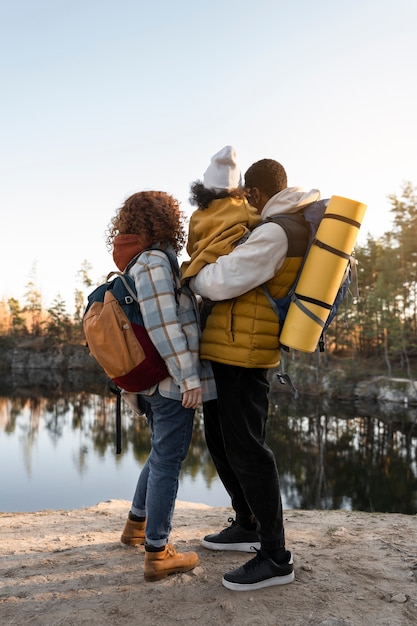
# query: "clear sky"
102, 98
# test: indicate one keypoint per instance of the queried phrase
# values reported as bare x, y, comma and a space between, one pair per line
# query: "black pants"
235, 430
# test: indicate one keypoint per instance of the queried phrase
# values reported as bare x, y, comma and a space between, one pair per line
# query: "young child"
223, 215
152, 219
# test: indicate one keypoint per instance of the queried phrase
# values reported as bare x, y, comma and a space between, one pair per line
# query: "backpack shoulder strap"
298, 235
296, 229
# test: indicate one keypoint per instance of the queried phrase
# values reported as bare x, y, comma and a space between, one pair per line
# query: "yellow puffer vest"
244, 331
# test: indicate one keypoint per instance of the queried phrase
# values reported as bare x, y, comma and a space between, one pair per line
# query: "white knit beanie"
223, 173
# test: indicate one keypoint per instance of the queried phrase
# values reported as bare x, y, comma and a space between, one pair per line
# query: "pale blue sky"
104, 98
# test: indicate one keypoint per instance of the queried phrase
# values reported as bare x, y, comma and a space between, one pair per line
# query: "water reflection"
57, 450
332, 456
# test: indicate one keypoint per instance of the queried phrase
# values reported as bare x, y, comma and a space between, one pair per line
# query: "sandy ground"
68, 567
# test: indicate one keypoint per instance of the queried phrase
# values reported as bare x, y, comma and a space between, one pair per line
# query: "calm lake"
57, 451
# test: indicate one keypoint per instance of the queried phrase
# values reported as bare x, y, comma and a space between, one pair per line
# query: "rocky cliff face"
384, 389
42, 363
35, 362
38, 353
341, 384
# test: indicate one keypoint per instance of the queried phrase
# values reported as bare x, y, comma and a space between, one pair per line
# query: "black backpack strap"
118, 393
297, 230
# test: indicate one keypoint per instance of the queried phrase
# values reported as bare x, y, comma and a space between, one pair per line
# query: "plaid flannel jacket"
170, 315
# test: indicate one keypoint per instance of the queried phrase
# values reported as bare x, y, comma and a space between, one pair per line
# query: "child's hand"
192, 398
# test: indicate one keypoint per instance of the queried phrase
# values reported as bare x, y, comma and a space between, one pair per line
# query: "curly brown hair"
154, 215
201, 197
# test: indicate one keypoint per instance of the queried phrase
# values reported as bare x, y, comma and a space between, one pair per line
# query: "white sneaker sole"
235, 547
269, 582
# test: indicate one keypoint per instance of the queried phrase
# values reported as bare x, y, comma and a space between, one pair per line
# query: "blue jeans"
156, 490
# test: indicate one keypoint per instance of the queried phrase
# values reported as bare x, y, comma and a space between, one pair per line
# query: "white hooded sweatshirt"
259, 258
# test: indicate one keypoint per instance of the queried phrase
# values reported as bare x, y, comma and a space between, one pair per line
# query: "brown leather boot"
159, 564
133, 533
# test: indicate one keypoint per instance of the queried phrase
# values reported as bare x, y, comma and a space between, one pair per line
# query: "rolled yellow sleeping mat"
322, 274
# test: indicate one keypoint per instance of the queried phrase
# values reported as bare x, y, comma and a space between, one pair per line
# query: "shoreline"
69, 568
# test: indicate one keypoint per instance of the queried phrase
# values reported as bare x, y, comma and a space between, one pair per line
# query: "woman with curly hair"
150, 224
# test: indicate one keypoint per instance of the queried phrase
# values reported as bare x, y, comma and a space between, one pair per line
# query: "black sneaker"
260, 572
234, 537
